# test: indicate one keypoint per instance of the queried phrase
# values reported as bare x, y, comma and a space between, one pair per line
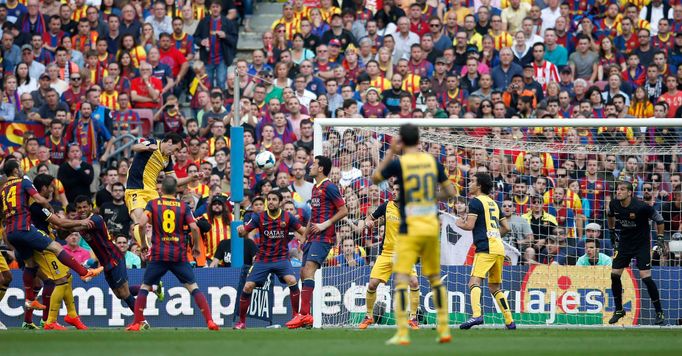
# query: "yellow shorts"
490, 265
50, 266
3, 264
383, 268
411, 247
138, 198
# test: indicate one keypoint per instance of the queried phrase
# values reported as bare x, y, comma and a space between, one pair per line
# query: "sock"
68, 299
200, 299
134, 290
414, 302
401, 301
371, 298
28, 278
130, 302
3, 290
140, 304
48, 289
70, 262
28, 316
244, 302
653, 293
295, 296
617, 290
307, 296
440, 296
137, 233
504, 306
475, 298
55, 303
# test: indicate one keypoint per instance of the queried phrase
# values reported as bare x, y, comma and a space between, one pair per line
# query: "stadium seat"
147, 118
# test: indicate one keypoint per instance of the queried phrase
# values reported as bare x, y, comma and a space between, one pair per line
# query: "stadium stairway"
264, 14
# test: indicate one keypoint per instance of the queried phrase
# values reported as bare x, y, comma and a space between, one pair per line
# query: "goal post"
554, 177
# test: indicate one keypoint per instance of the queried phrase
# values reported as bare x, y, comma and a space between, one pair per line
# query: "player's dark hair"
409, 134
627, 185
594, 241
325, 163
169, 185
70, 208
10, 166
42, 180
173, 138
276, 193
485, 181
82, 198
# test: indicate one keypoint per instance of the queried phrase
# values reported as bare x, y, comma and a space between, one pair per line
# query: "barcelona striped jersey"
98, 238
326, 201
15, 196
168, 216
274, 232
146, 167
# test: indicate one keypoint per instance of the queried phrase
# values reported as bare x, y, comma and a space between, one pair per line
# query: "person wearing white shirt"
550, 14
159, 20
531, 37
657, 12
404, 39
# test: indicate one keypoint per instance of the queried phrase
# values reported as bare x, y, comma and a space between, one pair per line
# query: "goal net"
553, 183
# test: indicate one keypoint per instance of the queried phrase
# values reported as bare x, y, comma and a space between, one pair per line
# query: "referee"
630, 232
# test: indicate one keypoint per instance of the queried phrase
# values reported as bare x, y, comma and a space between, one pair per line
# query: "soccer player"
57, 281
628, 220
24, 237
151, 157
327, 207
274, 227
168, 251
383, 266
418, 174
108, 255
487, 229
5, 280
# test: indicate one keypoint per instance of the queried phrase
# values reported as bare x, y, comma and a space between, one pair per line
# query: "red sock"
307, 296
200, 299
295, 295
28, 316
48, 288
28, 278
244, 302
70, 262
140, 303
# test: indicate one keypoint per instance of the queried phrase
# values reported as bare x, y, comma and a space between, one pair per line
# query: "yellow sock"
68, 299
475, 297
414, 302
504, 306
401, 308
3, 290
56, 302
371, 298
440, 296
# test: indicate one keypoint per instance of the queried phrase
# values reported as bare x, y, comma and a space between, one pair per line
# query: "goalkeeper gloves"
615, 238
660, 243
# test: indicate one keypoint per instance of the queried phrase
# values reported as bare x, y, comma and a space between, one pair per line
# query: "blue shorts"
116, 276
157, 269
316, 251
25, 242
260, 270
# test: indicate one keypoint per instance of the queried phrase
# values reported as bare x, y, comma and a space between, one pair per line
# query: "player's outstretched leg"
55, 305
140, 304
654, 295
475, 299
414, 302
370, 298
202, 303
617, 290
402, 336
440, 296
503, 304
48, 289
244, 302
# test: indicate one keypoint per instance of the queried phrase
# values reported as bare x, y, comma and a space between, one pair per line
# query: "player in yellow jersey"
419, 174
487, 229
5, 280
383, 266
150, 159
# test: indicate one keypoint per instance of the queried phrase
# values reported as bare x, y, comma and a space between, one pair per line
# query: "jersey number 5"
168, 223
493, 222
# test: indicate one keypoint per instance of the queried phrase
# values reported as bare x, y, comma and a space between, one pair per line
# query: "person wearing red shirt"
172, 57
673, 97
417, 23
146, 90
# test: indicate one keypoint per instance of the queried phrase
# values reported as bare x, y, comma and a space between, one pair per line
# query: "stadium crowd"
90, 72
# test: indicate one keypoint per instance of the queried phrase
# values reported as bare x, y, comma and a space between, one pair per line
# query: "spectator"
115, 212
146, 90
73, 247
132, 260
349, 257
76, 174
592, 256
217, 37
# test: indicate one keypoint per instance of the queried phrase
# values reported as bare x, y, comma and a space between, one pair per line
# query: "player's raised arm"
475, 208
504, 226
66, 224
144, 145
387, 166
196, 239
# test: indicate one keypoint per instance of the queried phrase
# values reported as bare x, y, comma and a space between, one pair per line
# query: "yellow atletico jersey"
391, 214
145, 169
486, 232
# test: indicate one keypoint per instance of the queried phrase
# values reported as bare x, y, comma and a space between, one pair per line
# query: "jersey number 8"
168, 223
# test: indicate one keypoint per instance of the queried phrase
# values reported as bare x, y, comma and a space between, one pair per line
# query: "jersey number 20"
420, 188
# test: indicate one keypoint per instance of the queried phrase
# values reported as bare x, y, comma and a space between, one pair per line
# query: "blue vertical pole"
236, 179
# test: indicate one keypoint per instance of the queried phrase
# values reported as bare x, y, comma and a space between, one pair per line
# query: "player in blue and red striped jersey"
109, 256
328, 207
168, 217
24, 237
273, 253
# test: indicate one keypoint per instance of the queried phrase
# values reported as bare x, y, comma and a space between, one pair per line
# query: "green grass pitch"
251, 342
